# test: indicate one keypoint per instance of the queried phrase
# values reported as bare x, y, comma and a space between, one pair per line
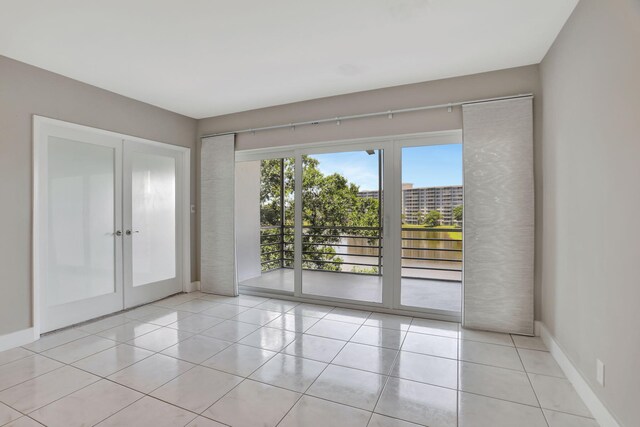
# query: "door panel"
82, 273
341, 233
152, 237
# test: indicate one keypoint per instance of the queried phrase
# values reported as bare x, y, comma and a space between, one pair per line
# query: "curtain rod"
388, 113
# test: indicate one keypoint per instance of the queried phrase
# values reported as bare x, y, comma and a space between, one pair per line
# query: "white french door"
152, 235
81, 264
107, 221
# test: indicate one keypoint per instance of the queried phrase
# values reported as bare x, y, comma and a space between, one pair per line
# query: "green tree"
330, 208
432, 218
457, 213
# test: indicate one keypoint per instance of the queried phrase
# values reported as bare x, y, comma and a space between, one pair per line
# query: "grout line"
531, 384
393, 365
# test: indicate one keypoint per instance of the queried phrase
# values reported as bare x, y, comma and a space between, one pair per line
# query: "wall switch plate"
193, 208
600, 372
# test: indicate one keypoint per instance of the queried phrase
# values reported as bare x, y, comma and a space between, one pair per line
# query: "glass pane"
81, 221
153, 201
264, 223
432, 200
341, 230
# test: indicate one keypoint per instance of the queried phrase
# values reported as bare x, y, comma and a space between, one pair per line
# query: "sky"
425, 166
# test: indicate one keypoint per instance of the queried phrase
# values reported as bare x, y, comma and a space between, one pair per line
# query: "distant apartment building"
426, 199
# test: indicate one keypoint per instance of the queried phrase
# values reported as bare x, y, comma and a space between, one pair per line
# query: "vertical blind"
498, 216
217, 194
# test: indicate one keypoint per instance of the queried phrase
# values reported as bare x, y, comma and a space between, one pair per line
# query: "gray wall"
591, 172
25, 91
485, 85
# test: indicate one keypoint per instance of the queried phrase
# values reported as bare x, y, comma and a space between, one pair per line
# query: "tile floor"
205, 360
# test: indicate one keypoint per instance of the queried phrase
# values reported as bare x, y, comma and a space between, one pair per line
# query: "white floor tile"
346, 315
103, 324
40, 391
281, 306
230, 330
24, 422
379, 337
146, 310
55, 339
482, 411
8, 414
197, 389
269, 339
558, 394
224, 311
433, 370
496, 382
378, 420
315, 348
290, 372
540, 362
239, 359
159, 339
25, 369
79, 349
87, 406
389, 321
196, 349
418, 403
311, 310
246, 300
150, 373
174, 300
369, 358
431, 344
560, 419
257, 317
195, 306
14, 354
253, 404
204, 422
313, 412
333, 329
484, 336
293, 323
531, 343
348, 386
128, 331
366, 371
149, 412
219, 299
112, 359
165, 318
195, 323
435, 327
490, 354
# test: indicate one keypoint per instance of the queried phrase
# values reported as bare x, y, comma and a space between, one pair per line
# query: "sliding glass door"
431, 232
341, 230
265, 223
373, 223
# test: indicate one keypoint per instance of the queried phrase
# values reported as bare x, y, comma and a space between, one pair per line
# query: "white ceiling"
204, 58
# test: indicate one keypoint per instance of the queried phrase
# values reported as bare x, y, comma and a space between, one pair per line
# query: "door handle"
129, 232
118, 233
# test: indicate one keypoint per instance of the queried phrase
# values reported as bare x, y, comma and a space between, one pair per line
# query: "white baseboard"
16, 339
192, 287
595, 405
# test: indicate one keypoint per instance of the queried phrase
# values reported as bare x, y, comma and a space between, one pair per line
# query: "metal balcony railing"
430, 253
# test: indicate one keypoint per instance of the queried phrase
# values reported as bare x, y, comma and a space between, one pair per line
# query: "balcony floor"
423, 293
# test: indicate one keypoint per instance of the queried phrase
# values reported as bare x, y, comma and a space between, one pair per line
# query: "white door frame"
392, 217
40, 213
